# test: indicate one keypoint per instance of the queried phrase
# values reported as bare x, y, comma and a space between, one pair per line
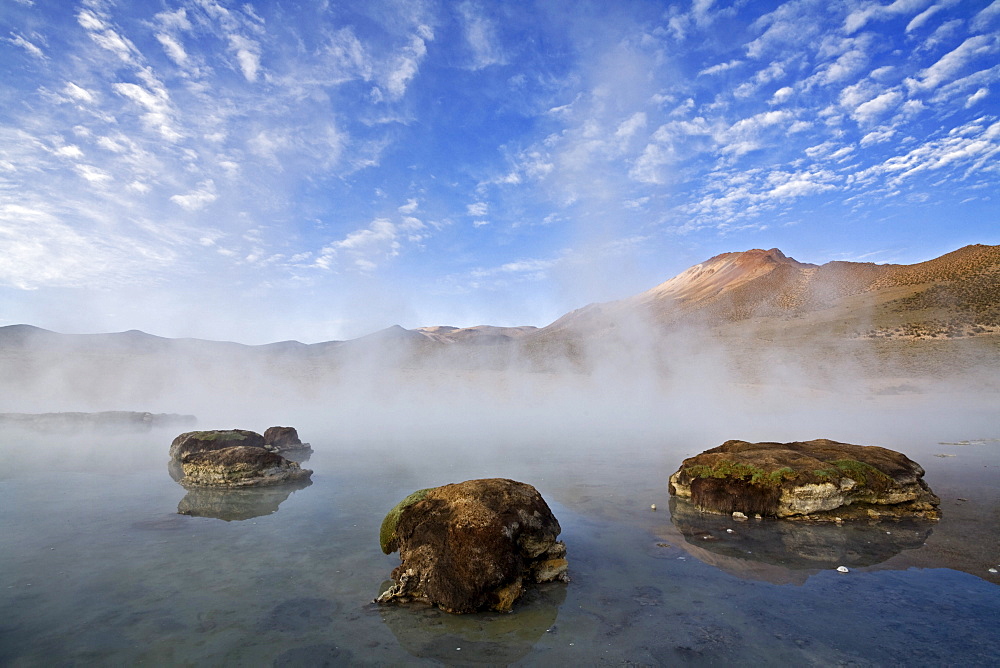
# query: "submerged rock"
239, 466
281, 439
217, 439
472, 545
806, 480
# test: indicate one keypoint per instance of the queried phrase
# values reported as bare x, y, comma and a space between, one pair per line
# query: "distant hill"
957, 294
752, 312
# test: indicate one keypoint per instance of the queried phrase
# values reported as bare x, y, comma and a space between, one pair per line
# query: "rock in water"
204, 441
281, 439
806, 480
239, 466
472, 545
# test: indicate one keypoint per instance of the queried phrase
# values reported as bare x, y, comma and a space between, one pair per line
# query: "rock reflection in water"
478, 638
782, 551
237, 504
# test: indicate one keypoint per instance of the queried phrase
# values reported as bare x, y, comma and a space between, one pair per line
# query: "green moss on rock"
737, 470
388, 531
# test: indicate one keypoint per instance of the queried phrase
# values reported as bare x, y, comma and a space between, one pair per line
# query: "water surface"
107, 560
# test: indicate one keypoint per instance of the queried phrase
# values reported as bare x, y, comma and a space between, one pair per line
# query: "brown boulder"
205, 441
239, 466
820, 479
472, 545
279, 439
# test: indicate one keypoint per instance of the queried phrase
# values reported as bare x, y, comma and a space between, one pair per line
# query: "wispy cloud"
21, 42
340, 140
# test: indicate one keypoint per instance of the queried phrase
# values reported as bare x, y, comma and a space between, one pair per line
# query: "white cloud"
404, 66
950, 64
480, 34
986, 16
92, 174
247, 55
976, 97
477, 209
198, 198
966, 85
21, 42
877, 137
173, 49
793, 185
530, 270
630, 126
972, 147
790, 25
77, 93
874, 11
107, 38
721, 67
867, 112
158, 114
40, 251
845, 66
782, 95
923, 17
364, 247
176, 20
408, 208
747, 134
70, 151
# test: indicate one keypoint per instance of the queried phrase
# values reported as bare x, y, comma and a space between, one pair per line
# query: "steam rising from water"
631, 382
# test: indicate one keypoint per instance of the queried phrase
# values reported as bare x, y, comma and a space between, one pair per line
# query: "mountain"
957, 293
749, 311
481, 334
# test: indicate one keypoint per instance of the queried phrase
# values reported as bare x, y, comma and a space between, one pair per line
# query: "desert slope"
753, 317
961, 288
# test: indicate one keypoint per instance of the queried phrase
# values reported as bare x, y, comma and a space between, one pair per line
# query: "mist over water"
114, 561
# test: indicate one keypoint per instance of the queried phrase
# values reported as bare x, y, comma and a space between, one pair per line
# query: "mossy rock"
807, 479
472, 546
216, 439
387, 533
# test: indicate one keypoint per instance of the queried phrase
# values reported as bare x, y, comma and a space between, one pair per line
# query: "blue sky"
319, 170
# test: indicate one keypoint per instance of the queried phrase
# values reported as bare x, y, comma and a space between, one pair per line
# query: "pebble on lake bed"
843, 569
653, 507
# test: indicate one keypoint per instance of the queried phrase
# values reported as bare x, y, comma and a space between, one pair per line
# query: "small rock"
729, 530
993, 570
843, 569
738, 516
282, 439
653, 507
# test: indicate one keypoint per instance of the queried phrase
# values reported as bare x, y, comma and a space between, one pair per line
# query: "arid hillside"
756, 317
955, 295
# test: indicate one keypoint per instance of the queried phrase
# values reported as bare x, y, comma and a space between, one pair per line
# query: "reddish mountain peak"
754, 256
721, 273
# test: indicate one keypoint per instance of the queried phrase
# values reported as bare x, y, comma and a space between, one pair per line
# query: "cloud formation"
444, 151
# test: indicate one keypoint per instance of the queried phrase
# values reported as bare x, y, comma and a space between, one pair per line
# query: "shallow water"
100, 567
